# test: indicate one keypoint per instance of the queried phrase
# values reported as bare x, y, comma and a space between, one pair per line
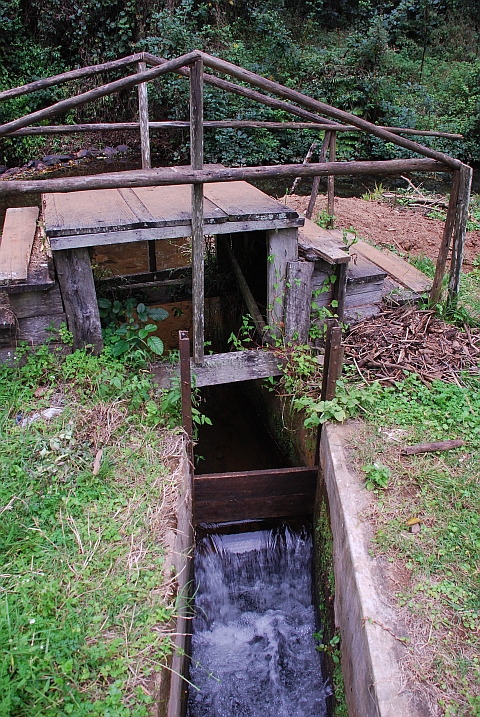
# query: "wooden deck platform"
114, 216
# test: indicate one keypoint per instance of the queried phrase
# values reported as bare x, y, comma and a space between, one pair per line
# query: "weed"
129, 328
376, 476
325, 220
375, 194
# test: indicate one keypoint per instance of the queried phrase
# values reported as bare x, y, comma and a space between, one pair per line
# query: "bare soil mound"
407, 230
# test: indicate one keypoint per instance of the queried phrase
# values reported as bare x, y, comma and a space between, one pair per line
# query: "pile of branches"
407, 339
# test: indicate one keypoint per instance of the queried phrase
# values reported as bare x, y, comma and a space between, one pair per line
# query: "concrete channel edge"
372, 650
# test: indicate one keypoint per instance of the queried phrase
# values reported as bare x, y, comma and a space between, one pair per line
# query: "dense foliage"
412, 63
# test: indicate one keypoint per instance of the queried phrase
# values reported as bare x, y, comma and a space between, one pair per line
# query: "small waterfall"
253, 650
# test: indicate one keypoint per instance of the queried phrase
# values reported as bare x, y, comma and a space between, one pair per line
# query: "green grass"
440, 590
86, 594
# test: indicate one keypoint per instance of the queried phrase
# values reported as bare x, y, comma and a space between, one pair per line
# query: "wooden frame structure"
199, 67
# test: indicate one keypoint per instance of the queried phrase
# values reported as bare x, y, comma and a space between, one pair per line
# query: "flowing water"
253, 649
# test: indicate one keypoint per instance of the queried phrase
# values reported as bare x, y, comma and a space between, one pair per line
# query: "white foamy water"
253, 651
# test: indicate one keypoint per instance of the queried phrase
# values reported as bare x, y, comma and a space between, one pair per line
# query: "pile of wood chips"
404, 339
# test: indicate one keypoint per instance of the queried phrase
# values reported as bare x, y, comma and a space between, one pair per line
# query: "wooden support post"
333, 363
143, 119
340, 289
436, 289
331, 178
74, 272
282, 247
244, 288
465, 185
186, 390
316, 179
196, 160
145, 148
298, 300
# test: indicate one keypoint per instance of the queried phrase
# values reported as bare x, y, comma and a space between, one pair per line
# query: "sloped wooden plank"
403, 272
17, 241
244, 202
321, 242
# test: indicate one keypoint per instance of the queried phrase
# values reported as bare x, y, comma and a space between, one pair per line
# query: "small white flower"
32, 621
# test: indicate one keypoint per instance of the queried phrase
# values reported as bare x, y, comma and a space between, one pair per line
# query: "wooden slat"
222, 497
175, 205
312, 238
298, 300
167, 232
17, 241
87, 212
406, 274
244, 202
226, 368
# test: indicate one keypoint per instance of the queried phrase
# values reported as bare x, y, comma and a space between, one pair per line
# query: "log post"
436, 289
316, 179
331, 179
196, 160
282, 247
340, 288
186, 390
298, 300
74, 272
465, 185
145, 148
143, 119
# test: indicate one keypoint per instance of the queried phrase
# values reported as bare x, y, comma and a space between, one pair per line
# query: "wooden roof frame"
311, 111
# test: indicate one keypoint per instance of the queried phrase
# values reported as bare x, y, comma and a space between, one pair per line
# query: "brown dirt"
408, 230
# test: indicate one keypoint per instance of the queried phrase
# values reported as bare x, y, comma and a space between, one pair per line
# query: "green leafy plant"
131, 337
374, 194
377, 476
325, 220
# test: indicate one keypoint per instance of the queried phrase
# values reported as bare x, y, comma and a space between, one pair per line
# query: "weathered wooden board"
315, 241
282, 247
37, 303
225, 368
88, 212
223, 497
17, 241
244, 202
298, 300
75, 277
166, 232
175, 204
395, 266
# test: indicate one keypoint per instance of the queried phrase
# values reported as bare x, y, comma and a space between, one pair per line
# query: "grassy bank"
87, 500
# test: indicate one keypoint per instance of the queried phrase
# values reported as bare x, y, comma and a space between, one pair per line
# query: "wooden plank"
225, 368
340, 289
322, 242
166, 232
282, 492
37, 303
282, 247
87, 212
362, 271
17, 241
244, 202
75, 277
406, 274
174, 205
298, 300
